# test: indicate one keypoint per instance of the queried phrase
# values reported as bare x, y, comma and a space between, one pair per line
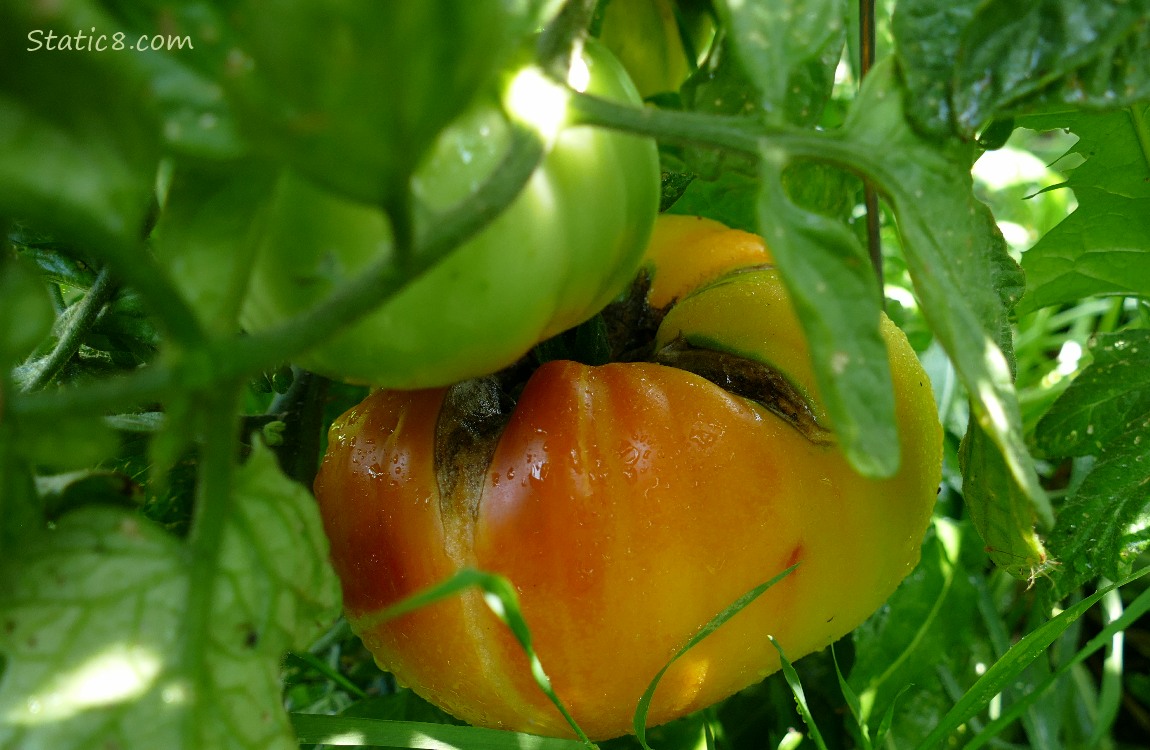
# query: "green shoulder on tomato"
567, 245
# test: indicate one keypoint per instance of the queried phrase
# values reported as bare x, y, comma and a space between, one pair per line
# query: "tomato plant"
223, 221
625, 483
336, 119
561, 251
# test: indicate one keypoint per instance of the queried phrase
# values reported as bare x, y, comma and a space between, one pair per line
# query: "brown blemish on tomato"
795, 556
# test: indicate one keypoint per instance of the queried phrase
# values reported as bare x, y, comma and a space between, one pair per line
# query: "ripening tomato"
628, 504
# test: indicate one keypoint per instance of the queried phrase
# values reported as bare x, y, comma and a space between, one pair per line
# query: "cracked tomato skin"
628, 504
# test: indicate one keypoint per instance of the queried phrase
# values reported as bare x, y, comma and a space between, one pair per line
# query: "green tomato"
567, 245
648, 38
331, 88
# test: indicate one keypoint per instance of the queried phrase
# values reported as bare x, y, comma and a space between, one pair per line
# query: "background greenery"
163, 580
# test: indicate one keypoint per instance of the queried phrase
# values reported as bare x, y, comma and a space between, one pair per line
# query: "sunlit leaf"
94, 625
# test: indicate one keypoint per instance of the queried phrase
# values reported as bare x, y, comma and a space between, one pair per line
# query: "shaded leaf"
999, 509
1004, 671
928, 36
1052, 51
78, 149
789, 50
208, 234
928, 621
969, 63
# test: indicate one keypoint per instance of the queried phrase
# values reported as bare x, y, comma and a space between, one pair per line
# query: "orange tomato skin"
628, 504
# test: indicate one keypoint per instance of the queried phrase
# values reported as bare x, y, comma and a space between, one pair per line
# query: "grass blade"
1139, 607
853, 704
344, 731
792, 678
640, 720
500, 596
1006, 669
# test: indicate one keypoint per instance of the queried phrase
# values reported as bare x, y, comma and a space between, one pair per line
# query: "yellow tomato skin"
686, 252
628, 504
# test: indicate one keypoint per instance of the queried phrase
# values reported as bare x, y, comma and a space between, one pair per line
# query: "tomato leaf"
789, 50
817, 254
1051, 52
927, 37
957, 259
1104, 401
93, 626
78, 151
927, 622
999, 509
1089, 252
1105, 413
967, 63
207, 236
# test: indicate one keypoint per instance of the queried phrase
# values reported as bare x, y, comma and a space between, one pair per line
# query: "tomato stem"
229, 357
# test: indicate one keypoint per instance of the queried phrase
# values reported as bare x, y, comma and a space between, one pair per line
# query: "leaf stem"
213, 505
137, 270
229, 358
80, 319
684, 128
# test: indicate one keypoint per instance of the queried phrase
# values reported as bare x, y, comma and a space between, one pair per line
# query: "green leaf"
789, 50
25, 308
957, 258
818, 254
208, 234
969, 63
1092, 251
928, 621
21, 512
92, 622
928, 35
1105, 412
962, 273
1104, 401
359, 117
731, 199
999, 509
1115, 629
78, 150
1051, 52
